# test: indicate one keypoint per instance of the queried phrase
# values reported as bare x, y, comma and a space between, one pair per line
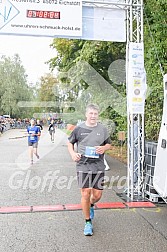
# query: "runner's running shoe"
88, 230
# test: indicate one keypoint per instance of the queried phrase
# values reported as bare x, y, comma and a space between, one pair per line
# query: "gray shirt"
85, 136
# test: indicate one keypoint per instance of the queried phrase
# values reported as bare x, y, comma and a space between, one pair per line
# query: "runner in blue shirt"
33, 134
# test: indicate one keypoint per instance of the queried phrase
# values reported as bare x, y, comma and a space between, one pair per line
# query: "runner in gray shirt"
92, 140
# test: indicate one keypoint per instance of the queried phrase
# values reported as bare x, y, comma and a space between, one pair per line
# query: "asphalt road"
52, 181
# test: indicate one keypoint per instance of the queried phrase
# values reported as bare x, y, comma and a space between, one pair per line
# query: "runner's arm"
75, 156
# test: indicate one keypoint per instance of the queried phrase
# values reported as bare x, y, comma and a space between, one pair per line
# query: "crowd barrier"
149, 166
16, 125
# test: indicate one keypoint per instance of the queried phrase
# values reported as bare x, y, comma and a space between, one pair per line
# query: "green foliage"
101, 54
46, 90
155, 37
67, 51
49, 92
97, 54
72, 118
13, 86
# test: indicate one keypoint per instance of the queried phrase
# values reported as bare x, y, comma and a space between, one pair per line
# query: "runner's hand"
76, 156
100, 149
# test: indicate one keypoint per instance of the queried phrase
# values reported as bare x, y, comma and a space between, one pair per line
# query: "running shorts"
34, 145
90, 180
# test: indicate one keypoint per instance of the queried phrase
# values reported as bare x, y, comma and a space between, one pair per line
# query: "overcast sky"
33, 52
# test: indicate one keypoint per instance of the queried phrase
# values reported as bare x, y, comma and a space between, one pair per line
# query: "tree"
83, 85
13, 86
101, 54
155, 37
49, 92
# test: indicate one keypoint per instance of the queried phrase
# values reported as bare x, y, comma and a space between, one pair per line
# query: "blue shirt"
33, 130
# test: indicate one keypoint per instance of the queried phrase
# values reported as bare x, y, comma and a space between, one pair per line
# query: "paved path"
51, 181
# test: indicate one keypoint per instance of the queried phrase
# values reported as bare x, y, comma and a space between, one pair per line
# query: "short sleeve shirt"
51, 127
84, 136
33, 130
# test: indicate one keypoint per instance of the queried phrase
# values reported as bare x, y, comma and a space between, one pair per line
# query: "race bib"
91, 152
32, 138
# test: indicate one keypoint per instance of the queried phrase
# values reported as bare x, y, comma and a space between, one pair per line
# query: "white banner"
103, 24
41, 17
136, 79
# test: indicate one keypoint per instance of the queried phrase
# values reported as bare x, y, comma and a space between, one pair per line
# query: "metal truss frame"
135, 122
